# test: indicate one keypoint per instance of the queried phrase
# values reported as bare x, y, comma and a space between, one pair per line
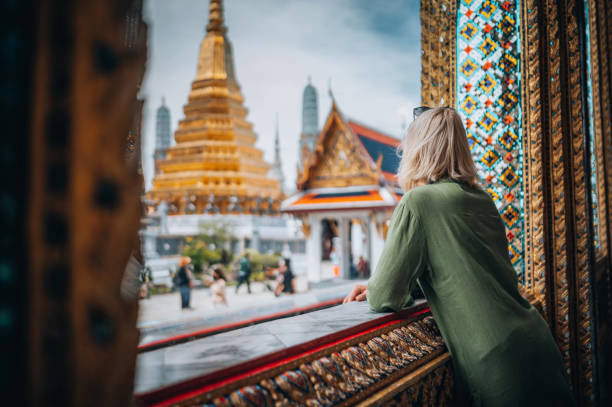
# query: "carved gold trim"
337, 159
533, 166
438, 31
556, 169
583, 317
602, 38
597, 123
82, 340
390, 353
604, 35
306, 228
442, 362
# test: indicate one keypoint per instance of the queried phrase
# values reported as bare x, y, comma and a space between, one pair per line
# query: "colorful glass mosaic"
593, 157
488, 101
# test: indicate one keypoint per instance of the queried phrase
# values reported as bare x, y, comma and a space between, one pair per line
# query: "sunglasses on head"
416, 112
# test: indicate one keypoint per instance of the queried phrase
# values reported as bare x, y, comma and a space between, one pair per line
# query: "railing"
344, 355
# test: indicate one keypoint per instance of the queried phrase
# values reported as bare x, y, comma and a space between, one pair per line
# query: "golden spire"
215, 17
215, 163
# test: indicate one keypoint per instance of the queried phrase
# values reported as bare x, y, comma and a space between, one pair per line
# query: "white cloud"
277, 44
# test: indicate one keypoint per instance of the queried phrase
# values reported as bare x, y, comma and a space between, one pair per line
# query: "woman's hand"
358, 293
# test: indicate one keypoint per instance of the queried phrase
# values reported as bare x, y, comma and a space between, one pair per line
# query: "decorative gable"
338, 159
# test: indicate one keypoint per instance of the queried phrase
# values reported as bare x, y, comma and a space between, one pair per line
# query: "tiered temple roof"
352, 166
215, 166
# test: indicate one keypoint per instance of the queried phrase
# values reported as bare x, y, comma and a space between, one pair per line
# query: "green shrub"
207, 248
160, 289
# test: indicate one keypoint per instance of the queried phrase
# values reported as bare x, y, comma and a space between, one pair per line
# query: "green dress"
450, 237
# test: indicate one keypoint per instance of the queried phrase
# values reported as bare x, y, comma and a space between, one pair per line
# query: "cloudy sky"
369, 50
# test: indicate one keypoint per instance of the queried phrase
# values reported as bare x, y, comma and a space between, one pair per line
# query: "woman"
446, 232
217, 287
183, 279
286, 279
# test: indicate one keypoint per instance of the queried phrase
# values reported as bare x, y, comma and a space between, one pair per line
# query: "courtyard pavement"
161, 315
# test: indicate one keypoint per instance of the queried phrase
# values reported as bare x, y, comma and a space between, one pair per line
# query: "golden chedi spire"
215, 17
214, 163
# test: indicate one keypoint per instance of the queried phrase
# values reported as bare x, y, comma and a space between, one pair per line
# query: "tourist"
363, 267
146, 280
183, 280
244, 273
286, 279
217, 287
447, 234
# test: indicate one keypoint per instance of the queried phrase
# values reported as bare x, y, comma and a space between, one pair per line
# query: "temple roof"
342, 198
368, 156
378, 144
352, 166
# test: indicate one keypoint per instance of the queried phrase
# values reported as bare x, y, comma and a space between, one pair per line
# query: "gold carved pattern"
598, 127
438, 28
602, 38
306, 228
605, 53
342, 164
431, 389
337, 159
533, 171
583, 315
557, 173
82, 338
375, 365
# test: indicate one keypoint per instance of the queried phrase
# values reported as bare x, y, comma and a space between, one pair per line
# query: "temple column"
344, 249
357, 239
376, 243
313, 249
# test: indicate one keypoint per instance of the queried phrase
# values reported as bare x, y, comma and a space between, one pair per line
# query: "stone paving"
161, 315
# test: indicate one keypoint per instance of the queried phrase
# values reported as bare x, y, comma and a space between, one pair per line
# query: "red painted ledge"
176, 393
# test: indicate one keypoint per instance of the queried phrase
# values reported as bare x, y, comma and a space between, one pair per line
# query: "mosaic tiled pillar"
531, 88
488, 94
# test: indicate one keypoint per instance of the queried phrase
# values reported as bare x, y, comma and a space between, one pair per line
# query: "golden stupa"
214, 166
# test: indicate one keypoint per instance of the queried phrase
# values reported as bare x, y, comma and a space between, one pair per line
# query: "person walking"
447, 235
244, 273
217, 287
146, 279
183, 280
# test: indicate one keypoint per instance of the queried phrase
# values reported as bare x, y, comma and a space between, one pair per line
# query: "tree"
209, 245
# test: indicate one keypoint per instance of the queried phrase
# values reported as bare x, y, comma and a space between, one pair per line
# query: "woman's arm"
402, 261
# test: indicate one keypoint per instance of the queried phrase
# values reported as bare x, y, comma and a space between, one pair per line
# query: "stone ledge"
270, 361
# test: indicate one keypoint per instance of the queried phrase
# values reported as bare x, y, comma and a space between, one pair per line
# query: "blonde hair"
435, 147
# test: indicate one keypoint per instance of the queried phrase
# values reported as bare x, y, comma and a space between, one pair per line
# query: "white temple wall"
313, 249
359, 241
376, 245
345, 261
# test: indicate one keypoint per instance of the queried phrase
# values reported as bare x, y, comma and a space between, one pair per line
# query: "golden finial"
331, 94
215, 17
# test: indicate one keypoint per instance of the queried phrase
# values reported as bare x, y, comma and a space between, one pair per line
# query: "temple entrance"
328, 233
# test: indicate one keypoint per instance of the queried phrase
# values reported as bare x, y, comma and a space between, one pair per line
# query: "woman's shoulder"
419, 197
443, 195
